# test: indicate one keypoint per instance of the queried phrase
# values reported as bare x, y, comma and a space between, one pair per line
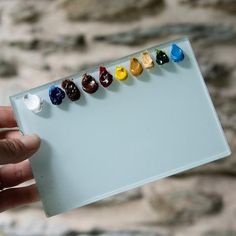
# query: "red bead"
105, 77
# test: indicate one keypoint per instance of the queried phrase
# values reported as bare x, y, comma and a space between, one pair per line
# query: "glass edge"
15, 110
210, 103
137, 184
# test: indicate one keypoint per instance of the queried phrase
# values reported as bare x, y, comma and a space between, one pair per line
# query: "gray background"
41, 42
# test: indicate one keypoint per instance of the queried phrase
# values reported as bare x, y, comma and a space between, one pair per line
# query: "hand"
15, 149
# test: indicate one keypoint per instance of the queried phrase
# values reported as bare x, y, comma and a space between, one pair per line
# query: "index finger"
7, 118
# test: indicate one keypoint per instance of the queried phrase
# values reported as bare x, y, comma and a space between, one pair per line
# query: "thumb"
17, 150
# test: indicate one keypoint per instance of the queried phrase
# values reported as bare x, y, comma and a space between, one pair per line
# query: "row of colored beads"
90, 85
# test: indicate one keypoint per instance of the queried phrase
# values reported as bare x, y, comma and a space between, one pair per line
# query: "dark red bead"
105, 77
89, 84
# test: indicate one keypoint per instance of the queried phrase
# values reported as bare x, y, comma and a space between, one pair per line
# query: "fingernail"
31, 142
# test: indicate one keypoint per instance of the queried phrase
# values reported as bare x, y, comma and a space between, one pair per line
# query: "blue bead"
177, 53
56, 95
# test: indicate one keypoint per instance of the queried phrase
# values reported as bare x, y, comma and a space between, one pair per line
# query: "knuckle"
13, 148
18, 173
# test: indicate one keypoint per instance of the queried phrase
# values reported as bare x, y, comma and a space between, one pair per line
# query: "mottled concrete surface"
42, 41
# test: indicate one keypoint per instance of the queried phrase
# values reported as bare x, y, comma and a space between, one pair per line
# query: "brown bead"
135, 67
89, 84
71, 89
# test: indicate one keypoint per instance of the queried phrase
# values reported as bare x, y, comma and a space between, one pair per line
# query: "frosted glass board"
121, 137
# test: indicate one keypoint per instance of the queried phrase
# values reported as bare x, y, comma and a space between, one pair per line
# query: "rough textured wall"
44, 40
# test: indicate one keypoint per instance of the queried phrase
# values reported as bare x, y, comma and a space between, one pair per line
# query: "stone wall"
44, 40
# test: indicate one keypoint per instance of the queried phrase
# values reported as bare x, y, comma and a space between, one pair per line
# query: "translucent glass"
135, 131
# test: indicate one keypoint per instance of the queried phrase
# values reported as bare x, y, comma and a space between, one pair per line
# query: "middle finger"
15, 174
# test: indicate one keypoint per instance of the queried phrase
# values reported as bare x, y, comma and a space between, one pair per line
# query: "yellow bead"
121, 73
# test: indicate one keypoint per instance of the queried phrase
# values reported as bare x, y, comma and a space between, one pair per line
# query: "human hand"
15, 149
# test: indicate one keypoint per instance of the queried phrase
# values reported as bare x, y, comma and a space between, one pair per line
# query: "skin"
15, 150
